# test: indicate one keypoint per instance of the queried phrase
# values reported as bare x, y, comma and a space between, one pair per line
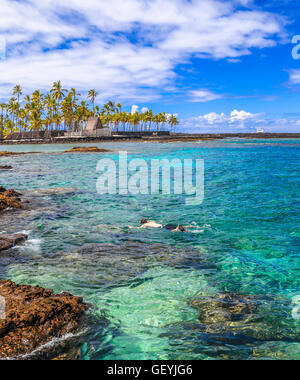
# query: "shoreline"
137, 138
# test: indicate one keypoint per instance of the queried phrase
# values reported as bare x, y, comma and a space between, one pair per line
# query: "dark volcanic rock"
8, 154
9, 241
91, 149
235, 326
240, 319
35, 316
10, 199
5, 244
53, 191
224, 307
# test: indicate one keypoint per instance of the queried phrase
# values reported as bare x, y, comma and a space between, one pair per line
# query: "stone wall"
35, 135
95, 133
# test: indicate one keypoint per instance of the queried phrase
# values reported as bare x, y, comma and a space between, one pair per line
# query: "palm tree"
82, 113
135, 120
17, 90
119, 107
3, 107
73, 106
163, 118
92, 95
57, 91
12, 108
9, 127
24, 119
41, 111
173, 121
48, 109
150, 119
36, 111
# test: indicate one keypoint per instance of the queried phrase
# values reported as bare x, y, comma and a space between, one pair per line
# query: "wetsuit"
173, 227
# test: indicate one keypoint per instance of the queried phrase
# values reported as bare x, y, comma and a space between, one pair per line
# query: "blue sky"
221, 65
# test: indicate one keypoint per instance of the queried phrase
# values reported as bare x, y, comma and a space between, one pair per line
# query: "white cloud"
234, 122
86, 43
240, 116
214, 118
238, 121
295, 76
134, 109
202, 96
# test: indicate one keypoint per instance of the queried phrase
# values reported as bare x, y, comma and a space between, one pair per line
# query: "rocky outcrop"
10, 199
8, 154
243, 319
91, 149
53, 191
10, 241
36, 316
224, 307
5, 153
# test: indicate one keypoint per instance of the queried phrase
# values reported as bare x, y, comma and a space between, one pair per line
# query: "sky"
221, 65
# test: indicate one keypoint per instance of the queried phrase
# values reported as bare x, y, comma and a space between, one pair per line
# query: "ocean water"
244, 240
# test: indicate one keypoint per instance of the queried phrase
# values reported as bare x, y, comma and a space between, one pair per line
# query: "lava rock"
224, 307
91, 149
242, 319
10, 199
35, 316
9, 154
9, 241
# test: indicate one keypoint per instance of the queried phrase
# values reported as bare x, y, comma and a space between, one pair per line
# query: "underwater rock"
137, 253
35, 316
241, 319
224, 307
232, 326
7, 154
277, 351
54, 191
91, 149
128, 260
4, 244
10, 199
9, 241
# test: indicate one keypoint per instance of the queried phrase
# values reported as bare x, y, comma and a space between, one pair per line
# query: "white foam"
33, 245
199, 229
52, 343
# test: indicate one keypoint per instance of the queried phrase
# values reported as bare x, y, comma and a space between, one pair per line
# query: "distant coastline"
135, 137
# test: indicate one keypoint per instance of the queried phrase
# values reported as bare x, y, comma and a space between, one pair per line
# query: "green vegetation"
63, 109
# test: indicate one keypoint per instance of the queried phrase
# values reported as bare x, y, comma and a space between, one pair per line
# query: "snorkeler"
152, 224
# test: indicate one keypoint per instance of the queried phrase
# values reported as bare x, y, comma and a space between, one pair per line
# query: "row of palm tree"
63, 109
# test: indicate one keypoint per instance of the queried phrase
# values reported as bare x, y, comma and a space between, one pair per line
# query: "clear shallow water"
141, 282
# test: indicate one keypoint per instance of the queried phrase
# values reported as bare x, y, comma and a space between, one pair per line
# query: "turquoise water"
245, 239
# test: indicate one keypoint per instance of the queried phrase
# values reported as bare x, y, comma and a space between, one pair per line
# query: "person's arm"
176, 229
